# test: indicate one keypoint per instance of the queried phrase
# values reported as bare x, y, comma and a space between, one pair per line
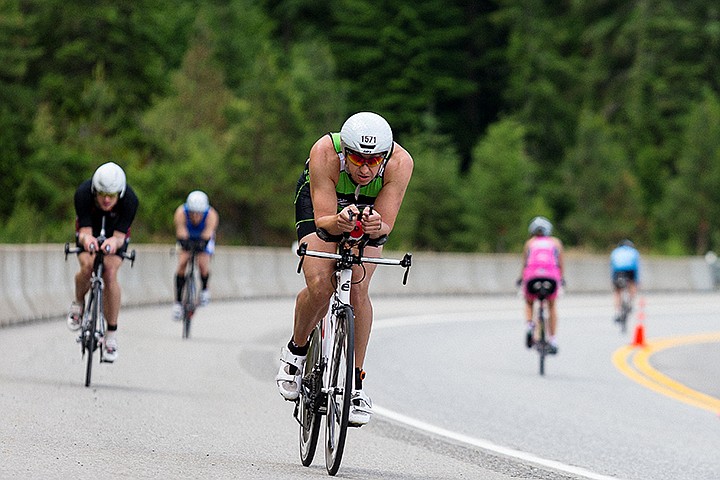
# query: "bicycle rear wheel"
342, 363
542, 341
89, 339
311, 399
188, 305
625, 311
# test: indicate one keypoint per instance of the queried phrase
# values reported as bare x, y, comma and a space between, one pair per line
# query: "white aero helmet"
109, 178
197, 202
367, 133
540, 226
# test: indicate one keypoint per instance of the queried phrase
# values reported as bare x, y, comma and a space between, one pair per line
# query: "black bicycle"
190, 297
543, 288
327, 383
621, 283
92, 328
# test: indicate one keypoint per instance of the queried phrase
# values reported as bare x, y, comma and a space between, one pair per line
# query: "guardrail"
37, 283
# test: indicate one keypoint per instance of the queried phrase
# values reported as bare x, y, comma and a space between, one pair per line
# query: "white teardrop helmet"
367, 133
109, 178
197, 202
540, 226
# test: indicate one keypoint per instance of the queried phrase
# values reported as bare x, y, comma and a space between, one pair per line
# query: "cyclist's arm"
324, 175
561, 256
128, 206
86, 239
211, 224
115, 242
181, 231
395, 181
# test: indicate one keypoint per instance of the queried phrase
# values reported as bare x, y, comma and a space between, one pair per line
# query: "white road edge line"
487, 445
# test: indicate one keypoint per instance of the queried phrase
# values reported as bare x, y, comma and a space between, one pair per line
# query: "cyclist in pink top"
543, 258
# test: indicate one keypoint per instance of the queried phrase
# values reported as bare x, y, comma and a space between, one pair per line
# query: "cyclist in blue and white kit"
194, 220
625, 262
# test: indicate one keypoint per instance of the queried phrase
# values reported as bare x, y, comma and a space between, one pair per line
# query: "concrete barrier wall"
36, 282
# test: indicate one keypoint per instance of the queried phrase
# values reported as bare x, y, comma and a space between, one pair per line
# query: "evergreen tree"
498, 189
691, 208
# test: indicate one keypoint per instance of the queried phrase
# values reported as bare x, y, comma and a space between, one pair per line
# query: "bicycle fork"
341, 300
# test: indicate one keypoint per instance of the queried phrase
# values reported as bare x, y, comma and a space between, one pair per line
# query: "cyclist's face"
363, 174
106, 201
195, 217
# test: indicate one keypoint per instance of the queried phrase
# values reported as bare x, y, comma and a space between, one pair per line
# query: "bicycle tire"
342, 369
625, 309
188, 303
310, 401
542, 342
90, 339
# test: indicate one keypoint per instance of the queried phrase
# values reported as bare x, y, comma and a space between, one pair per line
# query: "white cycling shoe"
360, 409
177, 311
289, 383
204, 298
110, 349
74, 318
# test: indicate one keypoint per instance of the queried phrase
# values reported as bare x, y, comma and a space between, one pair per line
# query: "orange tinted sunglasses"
358, 159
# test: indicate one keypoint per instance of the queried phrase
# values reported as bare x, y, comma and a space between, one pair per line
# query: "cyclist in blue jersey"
624, 262
362, 165
194, 220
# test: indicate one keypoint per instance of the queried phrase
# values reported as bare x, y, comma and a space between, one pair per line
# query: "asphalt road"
457, 395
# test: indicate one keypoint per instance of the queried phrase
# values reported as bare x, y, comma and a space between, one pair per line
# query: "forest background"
603, 115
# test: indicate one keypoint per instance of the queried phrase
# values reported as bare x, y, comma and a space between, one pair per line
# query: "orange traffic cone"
639, 337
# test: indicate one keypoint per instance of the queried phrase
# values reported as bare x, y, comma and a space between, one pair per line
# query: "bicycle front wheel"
342, 363
188, 305
89, 335
311, 399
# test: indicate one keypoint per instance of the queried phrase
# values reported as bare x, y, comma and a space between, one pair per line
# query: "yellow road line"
644, 374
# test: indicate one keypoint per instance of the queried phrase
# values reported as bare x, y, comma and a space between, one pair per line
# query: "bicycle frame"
335, 336
542, 287
625, 303
189, 299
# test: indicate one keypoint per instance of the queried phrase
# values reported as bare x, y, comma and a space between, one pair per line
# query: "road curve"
457, 395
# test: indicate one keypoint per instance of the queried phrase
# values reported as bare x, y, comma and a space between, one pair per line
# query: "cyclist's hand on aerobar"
371, 222
109, 246
344, 222
89, 243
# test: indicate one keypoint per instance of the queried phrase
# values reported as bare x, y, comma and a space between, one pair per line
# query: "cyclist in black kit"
106, 195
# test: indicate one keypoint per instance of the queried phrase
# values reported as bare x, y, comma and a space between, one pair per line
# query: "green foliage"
602, 188
433, 201
600, 115
498, 189
692, 204
17, 51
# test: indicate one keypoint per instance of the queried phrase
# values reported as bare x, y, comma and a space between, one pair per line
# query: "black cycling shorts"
621, 277
304, 214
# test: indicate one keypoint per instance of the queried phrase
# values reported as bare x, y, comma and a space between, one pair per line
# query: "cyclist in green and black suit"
362, 165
